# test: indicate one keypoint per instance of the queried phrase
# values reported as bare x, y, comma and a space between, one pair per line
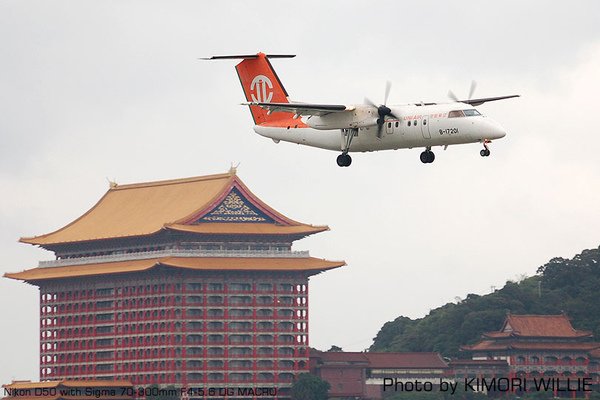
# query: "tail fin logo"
261, 89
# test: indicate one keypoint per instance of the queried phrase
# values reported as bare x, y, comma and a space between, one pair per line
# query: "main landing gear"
344, 159
485, 152
427, 156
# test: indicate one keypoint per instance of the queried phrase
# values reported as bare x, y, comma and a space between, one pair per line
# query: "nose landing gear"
427, 156
485, 152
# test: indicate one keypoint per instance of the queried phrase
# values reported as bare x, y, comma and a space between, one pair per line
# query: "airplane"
359, 127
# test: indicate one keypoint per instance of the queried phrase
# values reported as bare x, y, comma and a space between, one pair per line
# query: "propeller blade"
388, 87
369, 102
453, 96
472, 90
379, 129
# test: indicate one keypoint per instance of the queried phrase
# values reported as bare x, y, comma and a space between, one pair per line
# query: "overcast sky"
92, 90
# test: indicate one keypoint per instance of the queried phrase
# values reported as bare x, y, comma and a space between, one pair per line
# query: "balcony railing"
173, 253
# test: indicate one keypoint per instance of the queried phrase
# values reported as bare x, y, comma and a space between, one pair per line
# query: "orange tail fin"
261, 84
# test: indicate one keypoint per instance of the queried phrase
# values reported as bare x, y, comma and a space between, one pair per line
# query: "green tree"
309, 387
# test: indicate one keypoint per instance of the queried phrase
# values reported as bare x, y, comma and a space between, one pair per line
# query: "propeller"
382, 110
471, 91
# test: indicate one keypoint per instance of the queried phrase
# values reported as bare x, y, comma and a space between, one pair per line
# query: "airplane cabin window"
408, 123
415, 123
471, 113
424, 122
456, 114
389, 124
396, 124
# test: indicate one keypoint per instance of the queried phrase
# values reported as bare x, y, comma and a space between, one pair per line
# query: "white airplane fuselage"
417, 126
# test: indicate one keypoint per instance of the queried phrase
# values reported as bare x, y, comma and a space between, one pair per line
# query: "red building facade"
188, 282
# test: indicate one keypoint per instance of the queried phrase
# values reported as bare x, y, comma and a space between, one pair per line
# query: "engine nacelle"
358, 118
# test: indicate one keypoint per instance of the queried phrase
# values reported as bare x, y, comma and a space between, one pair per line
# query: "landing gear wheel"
485, 152
344, 160
427, 157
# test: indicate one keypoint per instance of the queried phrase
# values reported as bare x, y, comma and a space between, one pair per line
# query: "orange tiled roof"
505, 345
192, 263
382, 360
146, 208
31, 385
538, 326
94, 384
67, 383
406, 360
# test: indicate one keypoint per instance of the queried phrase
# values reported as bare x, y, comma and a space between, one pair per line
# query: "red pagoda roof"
406, 360
383, 360
193, 263
485, 345
535, 332
555, 326
214, 204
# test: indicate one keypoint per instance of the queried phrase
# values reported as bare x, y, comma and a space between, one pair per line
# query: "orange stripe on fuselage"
285, 122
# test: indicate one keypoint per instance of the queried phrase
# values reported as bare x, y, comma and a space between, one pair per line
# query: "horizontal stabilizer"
302, 108
248, 56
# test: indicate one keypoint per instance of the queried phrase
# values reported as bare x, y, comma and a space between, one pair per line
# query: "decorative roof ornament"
112, 184
233, 168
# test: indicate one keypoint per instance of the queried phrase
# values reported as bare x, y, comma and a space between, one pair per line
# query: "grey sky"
105, 89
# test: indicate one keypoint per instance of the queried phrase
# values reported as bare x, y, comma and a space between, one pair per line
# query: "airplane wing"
478, 102
302, 108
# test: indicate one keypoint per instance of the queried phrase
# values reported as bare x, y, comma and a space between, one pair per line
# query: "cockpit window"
471, 113
455, 114
463, 113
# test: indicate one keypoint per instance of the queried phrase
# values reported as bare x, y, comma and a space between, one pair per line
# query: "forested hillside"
561, 285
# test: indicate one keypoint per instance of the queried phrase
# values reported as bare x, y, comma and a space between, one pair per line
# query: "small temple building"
188, 282
534, 346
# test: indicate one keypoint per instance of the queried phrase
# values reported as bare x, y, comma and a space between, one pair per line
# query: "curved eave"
74, 232
308, 264
516, 335
531, 346
249, 229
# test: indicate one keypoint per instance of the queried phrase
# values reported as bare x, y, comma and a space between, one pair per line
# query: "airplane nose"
496, 130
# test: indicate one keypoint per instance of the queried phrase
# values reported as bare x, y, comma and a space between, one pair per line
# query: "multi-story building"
189, 282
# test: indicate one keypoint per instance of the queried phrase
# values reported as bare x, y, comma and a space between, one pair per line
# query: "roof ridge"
172, 181
538, 315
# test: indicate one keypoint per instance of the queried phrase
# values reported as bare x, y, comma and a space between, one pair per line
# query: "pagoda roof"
486, 345
215, 204
67, 383
406, 360
308, 264
527, 326
382, 360
62, 385
535, 332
